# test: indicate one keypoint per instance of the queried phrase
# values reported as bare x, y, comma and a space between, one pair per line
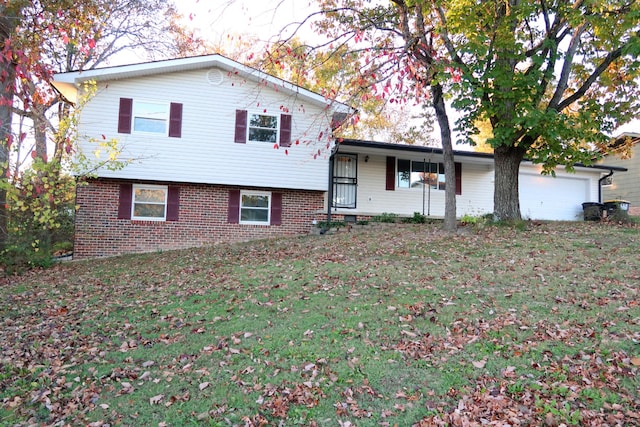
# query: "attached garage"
553, 198
371, 178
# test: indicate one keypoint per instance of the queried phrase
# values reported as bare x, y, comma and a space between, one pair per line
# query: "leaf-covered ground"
398, 325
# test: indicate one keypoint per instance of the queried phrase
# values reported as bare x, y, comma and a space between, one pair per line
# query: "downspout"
330, 188
600, 185
424, 180
429, 190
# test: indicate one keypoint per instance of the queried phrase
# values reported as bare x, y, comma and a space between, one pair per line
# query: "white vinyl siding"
206, 152
559, 199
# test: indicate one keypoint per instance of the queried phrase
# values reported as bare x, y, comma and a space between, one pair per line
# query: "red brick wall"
202, 220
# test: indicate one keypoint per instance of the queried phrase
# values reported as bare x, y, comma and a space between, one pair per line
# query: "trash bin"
617, 208
592, 211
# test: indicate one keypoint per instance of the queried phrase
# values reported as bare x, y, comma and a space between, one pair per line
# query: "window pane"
150, 117
149, 195
255, 201
254, 215
148, 210
403, 173
142, 124
151, 110
265, 135
258, 120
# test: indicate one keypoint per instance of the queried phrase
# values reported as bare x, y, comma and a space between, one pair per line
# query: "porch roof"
374, 146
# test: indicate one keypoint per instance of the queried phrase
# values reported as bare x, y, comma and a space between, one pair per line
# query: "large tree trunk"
450, 222
8, 23
506, 198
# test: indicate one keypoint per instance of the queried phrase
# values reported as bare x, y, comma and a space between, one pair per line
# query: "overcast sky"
216, 19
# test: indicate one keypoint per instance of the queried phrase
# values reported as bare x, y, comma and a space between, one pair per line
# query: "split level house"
221, 152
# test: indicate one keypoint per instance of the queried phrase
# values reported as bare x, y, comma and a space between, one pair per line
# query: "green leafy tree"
552, 78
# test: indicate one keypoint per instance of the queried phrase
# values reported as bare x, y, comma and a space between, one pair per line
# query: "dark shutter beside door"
458, 178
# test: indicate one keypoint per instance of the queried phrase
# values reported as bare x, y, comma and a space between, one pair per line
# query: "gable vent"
215, 76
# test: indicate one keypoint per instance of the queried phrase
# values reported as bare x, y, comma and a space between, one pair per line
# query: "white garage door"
546, 197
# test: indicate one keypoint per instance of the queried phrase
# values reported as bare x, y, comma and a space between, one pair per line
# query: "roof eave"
456, 153
195, 63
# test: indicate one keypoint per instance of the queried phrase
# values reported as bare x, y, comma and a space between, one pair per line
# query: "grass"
402, 325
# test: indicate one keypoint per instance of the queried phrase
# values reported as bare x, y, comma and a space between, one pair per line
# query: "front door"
345, 180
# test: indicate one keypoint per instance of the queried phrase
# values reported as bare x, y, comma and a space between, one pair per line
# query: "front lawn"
399, 325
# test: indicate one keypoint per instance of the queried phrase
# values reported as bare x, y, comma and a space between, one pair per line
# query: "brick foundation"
202, 220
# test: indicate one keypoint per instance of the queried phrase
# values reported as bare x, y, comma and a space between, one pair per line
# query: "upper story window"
154, 117
263, 128
412, 174
149, 202
150, 116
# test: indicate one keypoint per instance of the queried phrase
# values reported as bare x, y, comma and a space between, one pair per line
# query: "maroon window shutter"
391, 174
175, 120
125, 199
285, 130
234, 207
276, 208
241, 126
173, 203
458, 178
124, 115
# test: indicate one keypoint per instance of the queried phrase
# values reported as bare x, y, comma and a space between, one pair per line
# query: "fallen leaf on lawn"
635, 361
409, 334
204, 385
104, 406
479, 364
156, 399
509, 371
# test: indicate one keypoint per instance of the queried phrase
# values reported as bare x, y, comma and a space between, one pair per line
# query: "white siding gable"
206, 151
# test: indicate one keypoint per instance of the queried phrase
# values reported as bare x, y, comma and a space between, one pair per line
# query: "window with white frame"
149, 202
255, 207
416, 174
150, 116
263, 128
